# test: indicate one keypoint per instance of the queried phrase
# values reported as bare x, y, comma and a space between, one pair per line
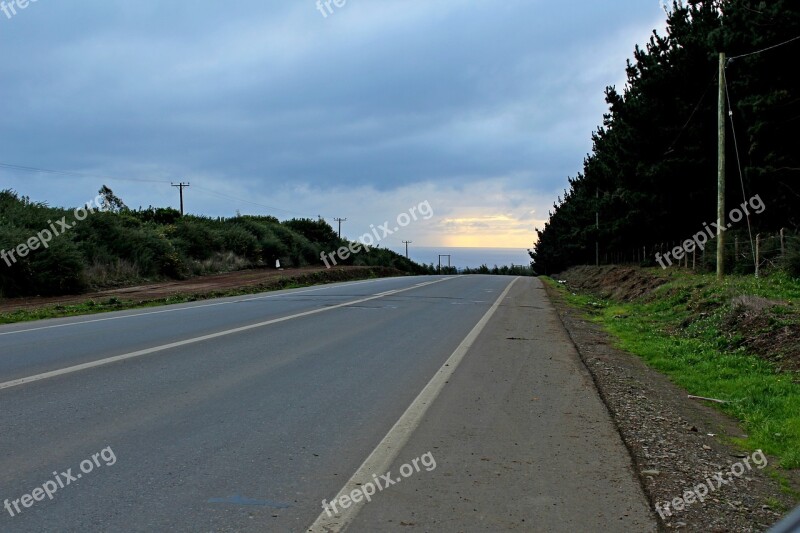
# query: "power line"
764, 49
739, 163
694, 112
227, 197
112, 178
75, 174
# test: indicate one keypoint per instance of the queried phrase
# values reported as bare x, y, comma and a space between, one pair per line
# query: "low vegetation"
117, 246
736, 340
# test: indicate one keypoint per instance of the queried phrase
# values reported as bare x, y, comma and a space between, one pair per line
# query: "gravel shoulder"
676, 443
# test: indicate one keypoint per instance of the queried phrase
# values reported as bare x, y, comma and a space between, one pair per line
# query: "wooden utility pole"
407, 243
340, 220
181, 186
721, 171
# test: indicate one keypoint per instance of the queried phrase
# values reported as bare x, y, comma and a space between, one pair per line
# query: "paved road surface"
243, 414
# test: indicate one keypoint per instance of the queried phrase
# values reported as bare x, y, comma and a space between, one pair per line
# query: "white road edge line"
156, 349
186, 308
381, 458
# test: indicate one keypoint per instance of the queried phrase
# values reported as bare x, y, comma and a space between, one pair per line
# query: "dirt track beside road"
204, 285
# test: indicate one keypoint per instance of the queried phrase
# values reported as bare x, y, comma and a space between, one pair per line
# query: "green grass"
91, 307
699, 356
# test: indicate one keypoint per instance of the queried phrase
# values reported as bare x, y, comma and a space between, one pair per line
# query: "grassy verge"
90, 306
679, 330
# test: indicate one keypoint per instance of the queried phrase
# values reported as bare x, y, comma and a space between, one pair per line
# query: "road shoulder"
677, 443
521, 439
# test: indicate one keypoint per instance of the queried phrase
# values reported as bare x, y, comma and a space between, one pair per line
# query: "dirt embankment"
767, 328
613, 282
208, 286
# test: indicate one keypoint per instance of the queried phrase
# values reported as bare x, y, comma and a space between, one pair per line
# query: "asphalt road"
238, 414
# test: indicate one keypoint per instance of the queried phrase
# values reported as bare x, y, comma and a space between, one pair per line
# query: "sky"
480, 109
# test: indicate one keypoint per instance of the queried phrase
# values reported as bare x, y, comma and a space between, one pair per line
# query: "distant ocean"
467, 257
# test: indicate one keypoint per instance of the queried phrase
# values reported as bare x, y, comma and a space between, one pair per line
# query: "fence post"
735, 249
694, 259
758, 252
783, 244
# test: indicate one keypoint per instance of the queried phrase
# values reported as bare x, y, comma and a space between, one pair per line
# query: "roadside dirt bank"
207, 286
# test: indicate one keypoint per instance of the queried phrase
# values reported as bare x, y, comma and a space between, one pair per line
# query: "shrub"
196, 239
58, 269
241, 242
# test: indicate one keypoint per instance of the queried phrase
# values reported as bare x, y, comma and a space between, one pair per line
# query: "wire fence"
766, 251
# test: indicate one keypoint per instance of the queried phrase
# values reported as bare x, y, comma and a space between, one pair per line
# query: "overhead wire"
694, 112
739, 163
141, 180
765, 49
76, 174
228, 197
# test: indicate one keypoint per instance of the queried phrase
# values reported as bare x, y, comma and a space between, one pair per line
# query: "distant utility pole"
340, 220
721, 171
181, 186
407, 243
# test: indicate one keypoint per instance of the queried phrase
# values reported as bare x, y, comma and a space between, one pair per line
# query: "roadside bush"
113, 248
272, 249
196, 239
56, 270
317, 231
259, 230
158, 215
155, 254
238, 240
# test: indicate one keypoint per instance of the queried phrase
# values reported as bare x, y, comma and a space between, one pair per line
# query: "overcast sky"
481, 108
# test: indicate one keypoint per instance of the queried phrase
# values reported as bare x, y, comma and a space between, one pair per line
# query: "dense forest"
652, 171
72, 250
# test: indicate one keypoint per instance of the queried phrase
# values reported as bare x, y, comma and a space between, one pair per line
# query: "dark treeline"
505, 270
116, 246
654, 159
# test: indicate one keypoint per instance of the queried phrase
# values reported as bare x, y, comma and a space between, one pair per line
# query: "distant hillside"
53, 251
